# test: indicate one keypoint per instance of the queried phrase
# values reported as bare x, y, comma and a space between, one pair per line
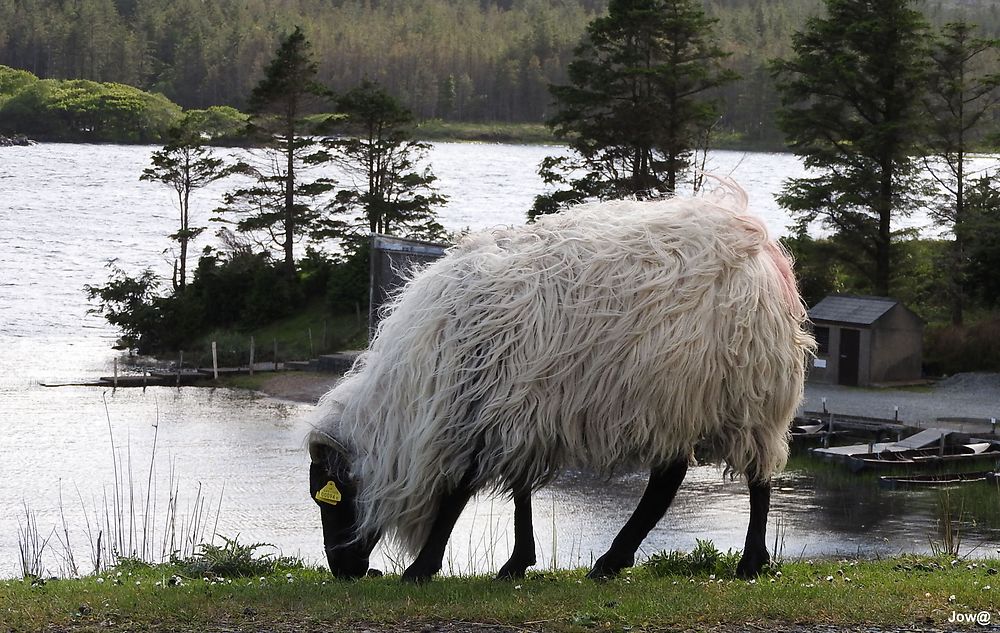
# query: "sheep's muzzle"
335, 494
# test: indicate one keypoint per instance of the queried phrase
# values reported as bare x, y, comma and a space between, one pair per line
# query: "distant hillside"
469, 60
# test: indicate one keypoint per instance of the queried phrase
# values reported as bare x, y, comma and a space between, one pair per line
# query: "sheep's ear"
331, 457
329, 476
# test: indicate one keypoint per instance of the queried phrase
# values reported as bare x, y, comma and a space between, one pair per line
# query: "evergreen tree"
981, 228
962, 92
851, 97
185, 165
395, 196
275, 204
635, 105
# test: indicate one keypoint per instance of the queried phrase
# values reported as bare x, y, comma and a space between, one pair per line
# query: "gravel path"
962, 396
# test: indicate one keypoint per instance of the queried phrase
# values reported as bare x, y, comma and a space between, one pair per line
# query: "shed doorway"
850, 355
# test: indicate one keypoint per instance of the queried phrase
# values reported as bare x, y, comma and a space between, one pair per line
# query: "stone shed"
866, 341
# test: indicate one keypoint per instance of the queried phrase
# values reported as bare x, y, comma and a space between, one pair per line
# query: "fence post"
312, 351
251, 356
180, 364
215, 362
275, 354
115, 379
325, 323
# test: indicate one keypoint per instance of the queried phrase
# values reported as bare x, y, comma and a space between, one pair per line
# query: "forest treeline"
459, 60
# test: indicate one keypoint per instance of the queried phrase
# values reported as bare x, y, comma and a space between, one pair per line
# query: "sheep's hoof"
606, 568
515, 568
508, 572
751, 564
417, 576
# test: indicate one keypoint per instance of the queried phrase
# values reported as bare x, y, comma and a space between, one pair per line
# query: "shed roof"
851, 309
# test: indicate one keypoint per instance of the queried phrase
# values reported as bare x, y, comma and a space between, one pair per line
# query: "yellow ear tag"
329, 494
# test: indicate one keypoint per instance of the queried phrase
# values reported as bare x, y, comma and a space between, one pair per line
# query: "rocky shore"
15, 140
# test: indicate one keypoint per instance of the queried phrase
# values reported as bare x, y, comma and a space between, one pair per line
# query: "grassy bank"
311, 331
887, 592
489, 132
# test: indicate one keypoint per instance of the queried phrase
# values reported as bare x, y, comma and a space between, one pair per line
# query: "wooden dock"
168, 377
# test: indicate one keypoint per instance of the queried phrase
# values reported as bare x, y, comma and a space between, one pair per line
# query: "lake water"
66, 209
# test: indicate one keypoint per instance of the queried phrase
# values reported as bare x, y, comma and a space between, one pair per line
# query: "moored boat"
928, 480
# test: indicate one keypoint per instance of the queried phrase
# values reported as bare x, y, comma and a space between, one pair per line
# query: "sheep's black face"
335, 493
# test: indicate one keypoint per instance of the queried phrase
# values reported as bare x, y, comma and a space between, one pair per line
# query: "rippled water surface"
66, 209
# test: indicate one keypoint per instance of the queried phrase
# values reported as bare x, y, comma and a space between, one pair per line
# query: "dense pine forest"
461, 60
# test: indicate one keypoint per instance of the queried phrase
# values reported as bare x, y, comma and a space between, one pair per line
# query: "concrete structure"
866, 341
392, 260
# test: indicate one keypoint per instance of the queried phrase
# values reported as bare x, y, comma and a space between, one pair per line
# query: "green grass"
887, 592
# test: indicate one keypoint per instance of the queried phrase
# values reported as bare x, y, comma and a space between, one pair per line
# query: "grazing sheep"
613, 336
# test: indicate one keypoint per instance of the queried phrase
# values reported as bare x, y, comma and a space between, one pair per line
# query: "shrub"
953, 349
705, 559
233, 559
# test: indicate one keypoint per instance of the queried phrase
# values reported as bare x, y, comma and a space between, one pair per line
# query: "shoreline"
303, 387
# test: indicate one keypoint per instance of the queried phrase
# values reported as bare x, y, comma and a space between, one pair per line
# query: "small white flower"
517, 587
987, 588
927, 595
829, 578
100, 580
951, 598
711, 577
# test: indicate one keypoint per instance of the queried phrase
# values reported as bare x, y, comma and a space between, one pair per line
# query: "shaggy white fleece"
612, 336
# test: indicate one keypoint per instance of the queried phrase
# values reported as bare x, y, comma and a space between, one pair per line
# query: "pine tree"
635, 104
185, 165
963, 92
851, 97
276, 203
396, 196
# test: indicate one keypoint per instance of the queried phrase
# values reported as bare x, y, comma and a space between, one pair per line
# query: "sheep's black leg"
428, 562
755, 554
523, 555
660, 491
